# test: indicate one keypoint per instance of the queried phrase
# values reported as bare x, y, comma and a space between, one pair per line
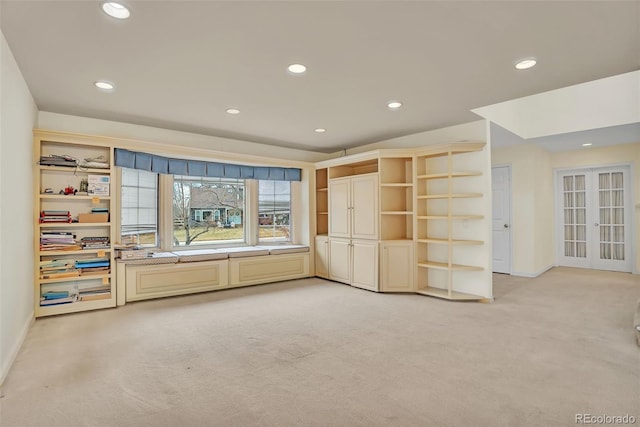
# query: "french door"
595, 218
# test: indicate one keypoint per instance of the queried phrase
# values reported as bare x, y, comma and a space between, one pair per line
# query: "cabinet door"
364, 207
396, 270
340, 260
339, 208
322, 256
364, 264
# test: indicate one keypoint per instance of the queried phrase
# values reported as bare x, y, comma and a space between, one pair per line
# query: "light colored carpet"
317, 353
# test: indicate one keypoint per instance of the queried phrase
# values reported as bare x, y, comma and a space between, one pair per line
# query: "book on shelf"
57, 297
56, 301
94, 271
61, 274
58, 160
93, 296
60, 247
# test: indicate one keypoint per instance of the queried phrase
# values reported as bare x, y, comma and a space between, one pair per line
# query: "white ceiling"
179, 64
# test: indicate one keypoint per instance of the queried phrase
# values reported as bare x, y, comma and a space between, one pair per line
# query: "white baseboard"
532, 275
11, 356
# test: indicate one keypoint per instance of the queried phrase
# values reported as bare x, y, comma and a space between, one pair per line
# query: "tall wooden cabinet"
73, 208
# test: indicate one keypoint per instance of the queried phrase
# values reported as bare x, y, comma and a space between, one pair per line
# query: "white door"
595, 219
364, 264
501, 197
340, 208
364, 207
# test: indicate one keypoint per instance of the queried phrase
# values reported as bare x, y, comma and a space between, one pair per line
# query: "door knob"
506, 226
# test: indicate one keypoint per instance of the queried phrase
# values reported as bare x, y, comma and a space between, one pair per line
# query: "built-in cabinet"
405, 221
353, 207
73, 231
322, 256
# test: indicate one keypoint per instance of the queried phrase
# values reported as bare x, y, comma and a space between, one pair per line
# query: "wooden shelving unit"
439, 220
396, 198
322, 202
56, 178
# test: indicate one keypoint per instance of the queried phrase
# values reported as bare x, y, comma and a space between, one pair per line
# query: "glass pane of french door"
575, 215
611, 215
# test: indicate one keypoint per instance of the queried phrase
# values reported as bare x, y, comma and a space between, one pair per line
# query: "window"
274, 211
208, 211
139, 220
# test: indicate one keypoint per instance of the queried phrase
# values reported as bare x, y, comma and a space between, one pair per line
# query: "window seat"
200, 270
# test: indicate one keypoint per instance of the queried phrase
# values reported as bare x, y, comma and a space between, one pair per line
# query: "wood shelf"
322, 213
76, 169
74, 224
322, 189
75, 307
397, 184
444, 266
456, 217
396, 213
449, 295
80, 252
70, 197
444, 175
453, 242
76, 278
450, 196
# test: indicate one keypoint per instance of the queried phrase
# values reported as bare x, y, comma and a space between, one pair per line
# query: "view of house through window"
274, 210
139, 220
208, 210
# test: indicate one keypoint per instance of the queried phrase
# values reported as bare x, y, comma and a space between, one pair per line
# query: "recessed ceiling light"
233, 111
525, 63
104, 85
394, 105
587, 144
297, 68
320, 130
116, 10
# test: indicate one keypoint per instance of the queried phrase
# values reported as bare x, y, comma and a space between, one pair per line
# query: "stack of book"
93, 266
57, 297
58, 160
58, 269
95, 293
48, 216
58, 241
95, 242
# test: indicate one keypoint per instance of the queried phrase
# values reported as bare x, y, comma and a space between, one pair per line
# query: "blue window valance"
160, 164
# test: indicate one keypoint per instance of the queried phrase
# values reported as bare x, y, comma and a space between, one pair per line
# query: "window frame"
164, 241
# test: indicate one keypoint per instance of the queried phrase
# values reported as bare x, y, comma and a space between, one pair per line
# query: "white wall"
532, 250
612, 155
18, 115
88, 126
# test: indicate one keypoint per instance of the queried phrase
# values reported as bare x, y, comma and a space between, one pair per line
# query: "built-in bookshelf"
73, 204
396, 198
444, 208
322, 202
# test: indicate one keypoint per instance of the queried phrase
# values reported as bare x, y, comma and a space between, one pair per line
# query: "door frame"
629, 207
511, 217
